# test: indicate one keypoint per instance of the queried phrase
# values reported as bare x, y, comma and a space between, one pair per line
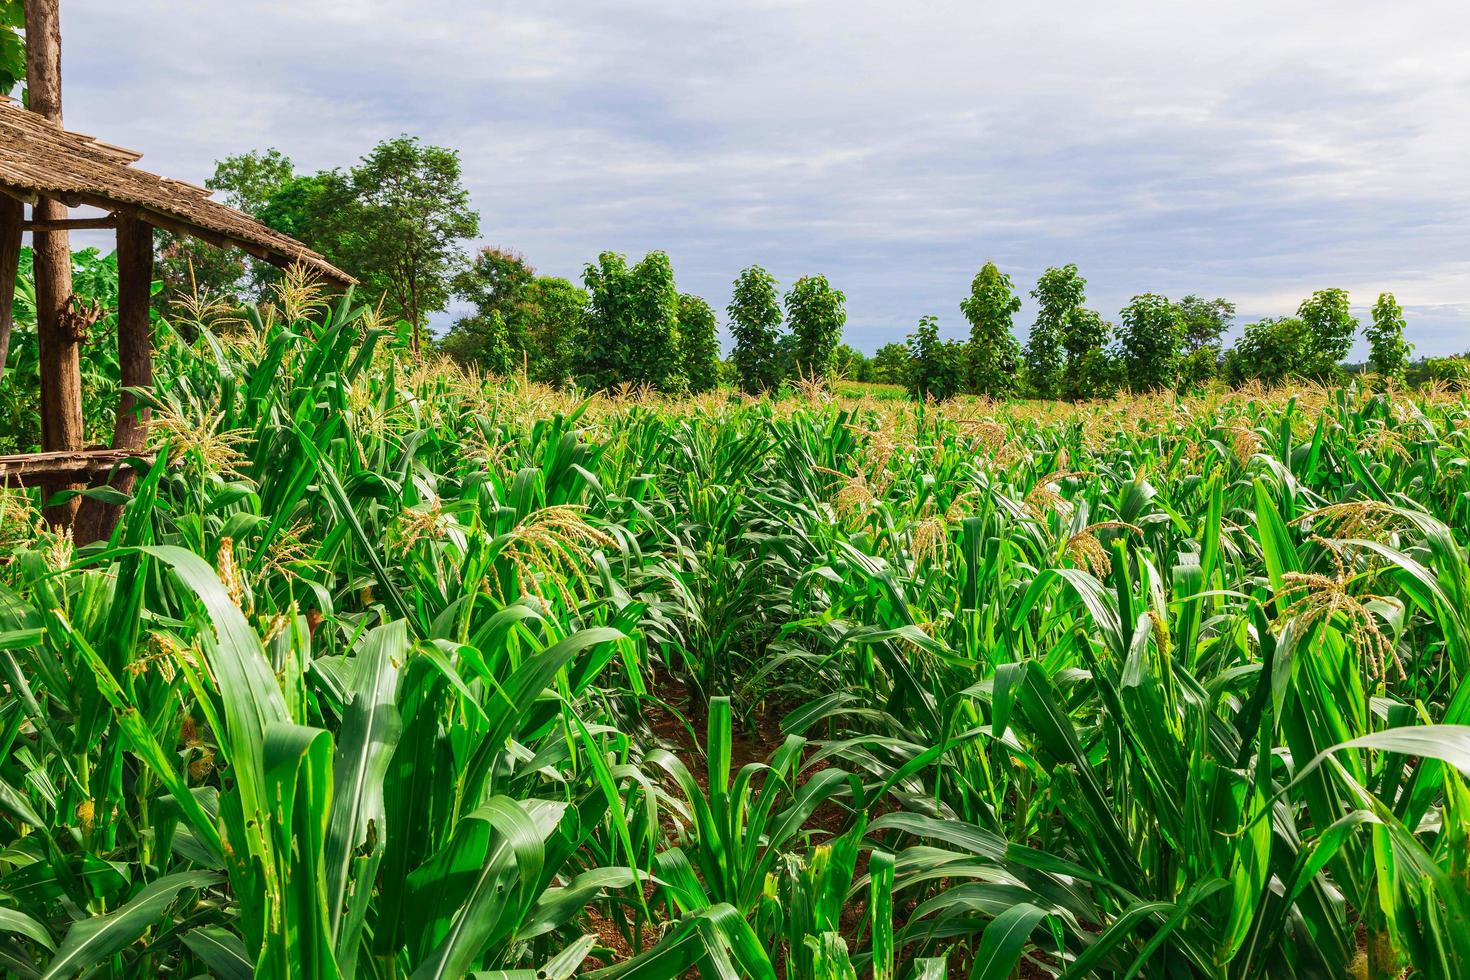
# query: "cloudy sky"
1253, 150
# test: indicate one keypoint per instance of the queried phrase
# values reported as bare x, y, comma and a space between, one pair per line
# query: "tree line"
398, 220
1073, 353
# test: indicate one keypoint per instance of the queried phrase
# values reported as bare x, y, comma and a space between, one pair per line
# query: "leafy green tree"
890, 365
631, 333
1388, 351
994, 353
189, 268
755, 320
1088, 370
815, 316
499, 285
1204, 321
1059, 292
700, 343
1150, 340
850, 363
936, 366
411, 212
558, 329
1330, 330
1272, 351
12, 45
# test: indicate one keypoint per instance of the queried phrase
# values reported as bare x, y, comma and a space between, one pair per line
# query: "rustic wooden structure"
52, 170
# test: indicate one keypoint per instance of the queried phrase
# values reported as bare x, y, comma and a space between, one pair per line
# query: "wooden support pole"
135, 367
11, 214
61, 375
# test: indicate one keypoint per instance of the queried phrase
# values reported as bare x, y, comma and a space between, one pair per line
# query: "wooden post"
135, 363
12, 213
56, 339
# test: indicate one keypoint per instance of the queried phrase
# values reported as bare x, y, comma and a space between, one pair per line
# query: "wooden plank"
72, 224
30, 469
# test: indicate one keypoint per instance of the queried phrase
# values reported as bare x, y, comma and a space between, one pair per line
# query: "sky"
1252, 150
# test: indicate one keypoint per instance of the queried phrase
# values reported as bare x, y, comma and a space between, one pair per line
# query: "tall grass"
393, 671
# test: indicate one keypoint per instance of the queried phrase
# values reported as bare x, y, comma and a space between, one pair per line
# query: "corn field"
389, 671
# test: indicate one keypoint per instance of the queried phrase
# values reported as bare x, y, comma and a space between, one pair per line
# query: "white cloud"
1258, 150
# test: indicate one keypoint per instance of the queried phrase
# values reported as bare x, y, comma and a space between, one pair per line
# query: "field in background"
395, 671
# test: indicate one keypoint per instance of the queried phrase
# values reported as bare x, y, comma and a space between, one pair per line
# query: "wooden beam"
12, 213
19, 194
96, 519
72, 224
31, 469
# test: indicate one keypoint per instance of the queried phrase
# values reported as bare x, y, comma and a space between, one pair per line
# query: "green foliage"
1388, 351
1059, 293
520, 320
1330, 330
1088, 372
815, 316
411, 213
1271, 351
631, 334
851, 364
890, 365
1150, 342
1199, 368
936, 368
12, 45
755, 322
994, 353
699, 343
1204, 322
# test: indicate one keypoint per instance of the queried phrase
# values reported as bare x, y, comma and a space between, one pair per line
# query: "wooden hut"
52, 170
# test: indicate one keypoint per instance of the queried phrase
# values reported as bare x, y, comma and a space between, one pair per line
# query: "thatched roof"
37, 157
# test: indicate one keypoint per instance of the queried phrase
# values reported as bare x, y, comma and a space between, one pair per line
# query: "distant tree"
851, 363
1204, 321
1088, 370
1272, 351
936, 366
700, 343
631, 332
411, 212
499, 284
890, 366
755, 320
1388, 351
1330, 329
189, 268
1198, 368
994, 354
1150, 340
815, 316
557, 331
1059, 292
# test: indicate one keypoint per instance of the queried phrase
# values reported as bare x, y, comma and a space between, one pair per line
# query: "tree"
699, 343
498, 284
1204, 321
890, 366
815, 314
1059, 292
188, 267
1088, 371
1150, 339
850, 363
410, 212
936, 366
994, 353
1271, 350
1388, 351
1330, 329
755, 320
557, 331
631, 333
